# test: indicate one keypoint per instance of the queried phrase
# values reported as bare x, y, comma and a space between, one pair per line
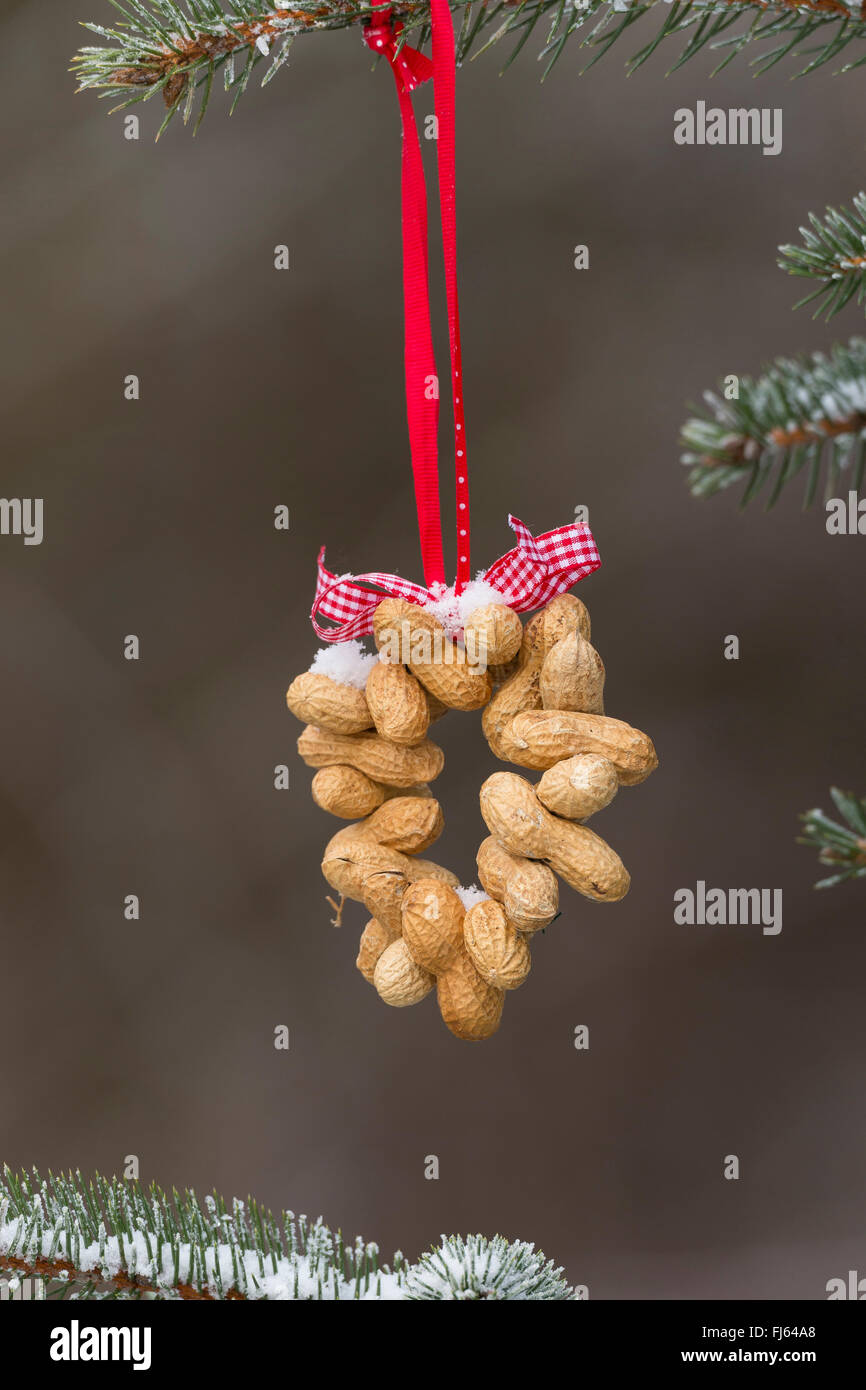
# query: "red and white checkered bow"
527, 577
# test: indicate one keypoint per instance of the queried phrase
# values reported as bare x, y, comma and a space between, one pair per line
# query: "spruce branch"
803, 414
842, 846
833, 253
474, 1268
112, 1238
176, 47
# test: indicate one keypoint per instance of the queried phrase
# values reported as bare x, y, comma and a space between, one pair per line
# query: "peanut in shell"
564, 614
374, 938
409, 632
581, 858
545, 737
376, 757
495, 631
344, 791
471, 1009
316, 699
409, 824
397, 703
500, 953
572, 677
578, 786
398, 980
433, 924
527, 889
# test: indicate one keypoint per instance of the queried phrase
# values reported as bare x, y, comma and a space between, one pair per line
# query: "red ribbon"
444, 81
526, 577
410, 69
539, 566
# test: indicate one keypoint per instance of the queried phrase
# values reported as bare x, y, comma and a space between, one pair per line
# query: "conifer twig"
106, 1237
176, 47
803, 414
842, 846
64, 1276
833, 253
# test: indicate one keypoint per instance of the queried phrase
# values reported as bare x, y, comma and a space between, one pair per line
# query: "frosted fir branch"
833, 253
474, 1268
176, 47
110, 1238
802, 416
842, 846
132, 1237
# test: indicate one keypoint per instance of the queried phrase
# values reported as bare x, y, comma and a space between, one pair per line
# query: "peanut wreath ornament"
463, 647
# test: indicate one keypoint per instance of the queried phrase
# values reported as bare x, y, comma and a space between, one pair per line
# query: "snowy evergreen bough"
804, 415
107, 1238
176, 48
474, 1268
833, 253
841, 845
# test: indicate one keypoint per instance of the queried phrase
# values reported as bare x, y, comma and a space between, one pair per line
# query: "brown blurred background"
155, 1038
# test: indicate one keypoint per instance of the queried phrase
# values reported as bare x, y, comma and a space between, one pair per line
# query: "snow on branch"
833, 253
803, 415
107, 1237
